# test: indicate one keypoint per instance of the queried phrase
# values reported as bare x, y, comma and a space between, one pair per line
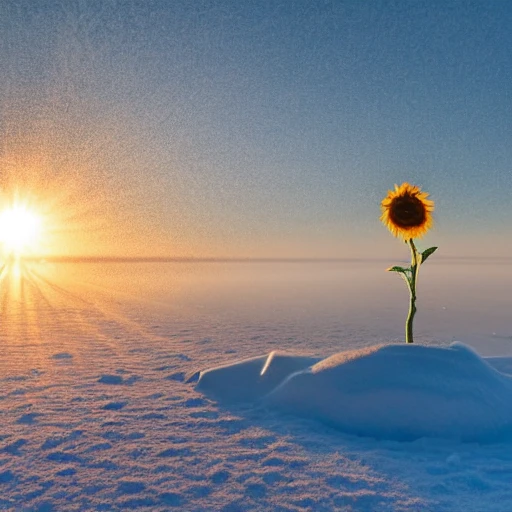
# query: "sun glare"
19, 230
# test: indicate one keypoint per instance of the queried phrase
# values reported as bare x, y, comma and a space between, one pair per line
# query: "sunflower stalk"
411, 282
410, 276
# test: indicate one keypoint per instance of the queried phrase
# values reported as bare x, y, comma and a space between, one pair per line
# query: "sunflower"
407, 212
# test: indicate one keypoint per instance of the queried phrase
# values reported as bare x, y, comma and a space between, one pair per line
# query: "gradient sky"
264, 129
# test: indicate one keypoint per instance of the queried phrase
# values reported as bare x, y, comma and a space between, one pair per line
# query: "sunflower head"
407, 212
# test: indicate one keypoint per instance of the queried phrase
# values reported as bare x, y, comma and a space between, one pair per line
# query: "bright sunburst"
19, 230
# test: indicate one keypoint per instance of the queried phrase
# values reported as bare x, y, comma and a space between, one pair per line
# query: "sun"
20, 229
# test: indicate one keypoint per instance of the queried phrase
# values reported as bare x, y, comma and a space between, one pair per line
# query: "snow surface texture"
400, 392
97, 414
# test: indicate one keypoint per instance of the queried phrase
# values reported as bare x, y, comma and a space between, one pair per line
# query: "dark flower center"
407, 211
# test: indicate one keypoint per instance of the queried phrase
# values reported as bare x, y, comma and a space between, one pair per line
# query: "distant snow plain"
311, 401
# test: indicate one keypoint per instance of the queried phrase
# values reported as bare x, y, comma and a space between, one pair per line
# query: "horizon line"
191, 259
175, 259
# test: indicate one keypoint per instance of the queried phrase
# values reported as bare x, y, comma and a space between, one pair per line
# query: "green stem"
411, 281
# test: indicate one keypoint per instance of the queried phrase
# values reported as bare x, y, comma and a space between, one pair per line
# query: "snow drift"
400, 392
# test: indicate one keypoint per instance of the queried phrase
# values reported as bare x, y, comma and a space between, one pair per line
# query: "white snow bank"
400, 392
251, 379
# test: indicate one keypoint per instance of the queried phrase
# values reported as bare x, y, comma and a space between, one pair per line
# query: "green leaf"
427, 252
398, 269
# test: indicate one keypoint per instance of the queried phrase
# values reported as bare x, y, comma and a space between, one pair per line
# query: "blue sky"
257, 128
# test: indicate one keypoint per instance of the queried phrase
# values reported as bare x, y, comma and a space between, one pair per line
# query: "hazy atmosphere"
199, 201
255, 129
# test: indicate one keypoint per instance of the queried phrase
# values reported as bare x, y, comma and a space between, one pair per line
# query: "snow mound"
400, 392
251, 379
